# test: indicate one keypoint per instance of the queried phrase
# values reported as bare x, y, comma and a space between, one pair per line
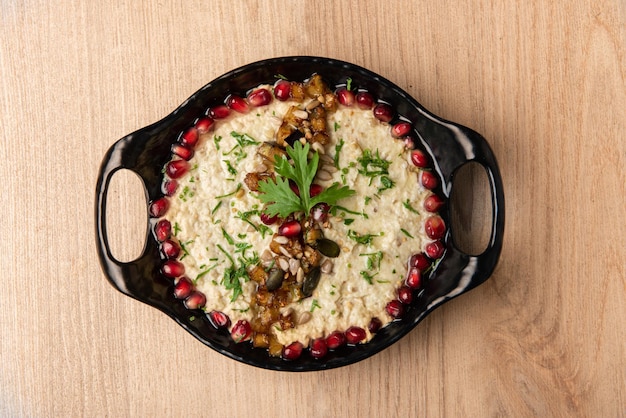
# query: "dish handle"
476, 269
118, 273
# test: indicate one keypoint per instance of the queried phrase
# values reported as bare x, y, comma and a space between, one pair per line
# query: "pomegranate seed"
374, 325
169, 187
428, 180
434, 227
420, 261
204, 125
364, 100
189, 137
170, 249
335, 340
163, 230
433, 203
290, 229
183, 287
319, 213
219, 319
267, 219
159, 207
345, 97
238, 104
419, 159
241, 331
414, 278
395, 308
409, 142
355, 335
383, 112
172, 269
260, 97
435, 249
315, 189
182, 151
292, 351
400, 129
282, 90
405, 295
219, 112
196, 300
319, 348
177, 168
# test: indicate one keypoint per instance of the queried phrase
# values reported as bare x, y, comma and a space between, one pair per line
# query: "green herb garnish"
216, 207
338, 148
408, 207
365, 239
243, 140
372, 166
230, 168
229, 239
368, 277
186, 194
314, 305
231, 193
261, 228
183, 247
338, 208
217, 139
406, 232
385, 183
279, 197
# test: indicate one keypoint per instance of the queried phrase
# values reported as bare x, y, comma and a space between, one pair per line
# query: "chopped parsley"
259, 227
186, 193
373, 166
373, 259
230, 168
243, 140
216, 140
368, 276
335, 209
231, 193
385, 183
407, 206
216, 207
183, 247
338, 148
365, 239
314, 304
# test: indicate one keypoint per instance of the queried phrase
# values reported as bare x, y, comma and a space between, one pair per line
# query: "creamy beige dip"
215, 218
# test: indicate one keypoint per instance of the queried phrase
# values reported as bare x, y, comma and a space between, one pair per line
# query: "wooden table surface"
544, 83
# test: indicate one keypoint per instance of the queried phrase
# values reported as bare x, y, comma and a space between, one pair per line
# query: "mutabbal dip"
299, 217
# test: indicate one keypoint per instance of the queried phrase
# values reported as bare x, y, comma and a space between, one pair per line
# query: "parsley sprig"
279, 197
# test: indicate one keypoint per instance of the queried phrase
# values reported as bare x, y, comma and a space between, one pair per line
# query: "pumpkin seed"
328, 247
311, 281
274, 279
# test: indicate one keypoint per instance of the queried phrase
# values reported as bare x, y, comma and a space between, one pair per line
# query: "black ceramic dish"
147, 150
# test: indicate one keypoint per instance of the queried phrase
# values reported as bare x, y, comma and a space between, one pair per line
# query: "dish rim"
140, 152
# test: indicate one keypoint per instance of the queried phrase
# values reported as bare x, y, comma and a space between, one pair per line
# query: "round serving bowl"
450, 146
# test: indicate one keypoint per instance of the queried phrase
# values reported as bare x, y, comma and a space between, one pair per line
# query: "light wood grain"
544, 83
